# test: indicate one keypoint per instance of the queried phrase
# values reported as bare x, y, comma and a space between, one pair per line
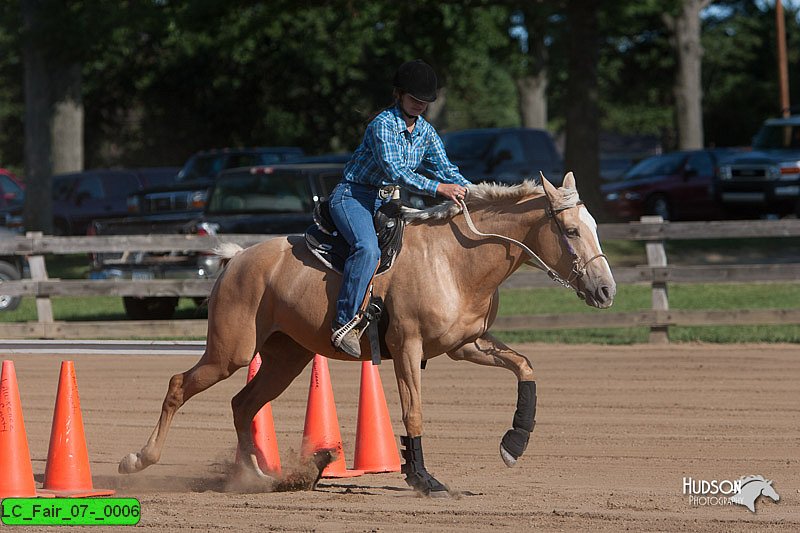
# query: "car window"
11, 190
777, 137
89, 186
246, 160
659, 165
511, 144
539, 145
249, 193
202, 166
701, 163
467, 145
119, 184
63, 187
268, 159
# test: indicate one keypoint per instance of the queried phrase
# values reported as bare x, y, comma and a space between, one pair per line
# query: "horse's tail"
226, 251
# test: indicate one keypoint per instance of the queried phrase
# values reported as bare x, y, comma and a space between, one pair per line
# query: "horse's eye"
572, 232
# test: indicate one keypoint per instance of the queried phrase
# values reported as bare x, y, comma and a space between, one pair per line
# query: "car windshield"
777, 137
659, 165
260, 193
461, 146
197, 167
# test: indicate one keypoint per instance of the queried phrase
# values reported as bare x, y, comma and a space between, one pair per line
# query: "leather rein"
578, 270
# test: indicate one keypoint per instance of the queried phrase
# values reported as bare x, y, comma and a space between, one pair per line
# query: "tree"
581, 152
53, 110
685, 30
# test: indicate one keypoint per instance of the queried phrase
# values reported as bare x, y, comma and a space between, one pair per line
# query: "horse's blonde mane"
748, 479
483, 194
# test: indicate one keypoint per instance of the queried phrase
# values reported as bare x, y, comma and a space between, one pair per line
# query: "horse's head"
575, 252
768, 491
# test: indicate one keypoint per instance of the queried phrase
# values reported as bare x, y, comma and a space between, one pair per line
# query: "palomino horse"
441, 296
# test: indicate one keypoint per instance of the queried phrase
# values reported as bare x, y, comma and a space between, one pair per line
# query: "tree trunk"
53, 120
687, 90
532, 92
582, 144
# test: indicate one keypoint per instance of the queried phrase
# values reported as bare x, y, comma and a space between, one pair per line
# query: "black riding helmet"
418, 79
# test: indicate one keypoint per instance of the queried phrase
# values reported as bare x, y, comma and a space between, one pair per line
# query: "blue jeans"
352, 207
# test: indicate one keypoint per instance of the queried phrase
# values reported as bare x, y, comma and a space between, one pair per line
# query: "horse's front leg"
489, 351
409, 383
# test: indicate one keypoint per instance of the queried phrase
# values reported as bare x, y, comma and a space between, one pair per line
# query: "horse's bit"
578, 270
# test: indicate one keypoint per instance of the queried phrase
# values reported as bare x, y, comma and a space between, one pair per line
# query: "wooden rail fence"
651, 230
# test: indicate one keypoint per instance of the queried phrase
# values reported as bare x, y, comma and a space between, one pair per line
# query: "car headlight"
198, 199
630, 195
612, 196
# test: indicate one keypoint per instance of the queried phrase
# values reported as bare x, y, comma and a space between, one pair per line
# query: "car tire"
660, 206
9, 272
150, 308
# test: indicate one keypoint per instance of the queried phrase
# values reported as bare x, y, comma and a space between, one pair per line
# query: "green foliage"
163, 79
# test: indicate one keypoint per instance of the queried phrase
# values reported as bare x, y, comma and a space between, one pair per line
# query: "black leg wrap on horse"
414, 468
516, 440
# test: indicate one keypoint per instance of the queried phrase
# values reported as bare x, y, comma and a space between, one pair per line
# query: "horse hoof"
508, 459
438, 494
130, 464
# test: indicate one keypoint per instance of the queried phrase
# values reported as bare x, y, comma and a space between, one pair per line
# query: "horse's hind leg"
209, 370
282, 360
489, 351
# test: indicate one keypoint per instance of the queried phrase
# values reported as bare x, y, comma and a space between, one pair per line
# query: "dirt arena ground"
618, 428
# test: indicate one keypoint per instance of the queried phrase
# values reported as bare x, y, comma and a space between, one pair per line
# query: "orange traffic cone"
321, 431
67, 473
263, 430
376, 448
16, 471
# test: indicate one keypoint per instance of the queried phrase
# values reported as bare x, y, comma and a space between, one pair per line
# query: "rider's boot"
345, 338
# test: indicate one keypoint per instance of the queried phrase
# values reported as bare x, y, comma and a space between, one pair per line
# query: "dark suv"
190, 190
275, 199
80, 197
504, 155
766, 180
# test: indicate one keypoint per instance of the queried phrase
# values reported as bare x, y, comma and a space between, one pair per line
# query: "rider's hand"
451, 191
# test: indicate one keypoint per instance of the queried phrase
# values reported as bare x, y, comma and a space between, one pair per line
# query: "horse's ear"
569, 181
549, 189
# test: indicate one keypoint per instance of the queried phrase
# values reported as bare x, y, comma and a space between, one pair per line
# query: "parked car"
11, 268
80, 197
675, 186
275, 199
767, 179
504, 155
12, 197
189, 191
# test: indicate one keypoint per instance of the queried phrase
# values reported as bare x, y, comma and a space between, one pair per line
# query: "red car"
676, 186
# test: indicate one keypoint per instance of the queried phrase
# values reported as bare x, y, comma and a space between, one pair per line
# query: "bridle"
578, 270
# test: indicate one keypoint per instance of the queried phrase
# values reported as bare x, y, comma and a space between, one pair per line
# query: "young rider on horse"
395, 143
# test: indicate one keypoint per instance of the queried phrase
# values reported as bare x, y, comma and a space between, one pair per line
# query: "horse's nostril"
606, 293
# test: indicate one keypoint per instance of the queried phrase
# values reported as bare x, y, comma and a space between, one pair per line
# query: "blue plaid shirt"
389, 155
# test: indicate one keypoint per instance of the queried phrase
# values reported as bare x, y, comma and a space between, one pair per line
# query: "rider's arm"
436, 161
